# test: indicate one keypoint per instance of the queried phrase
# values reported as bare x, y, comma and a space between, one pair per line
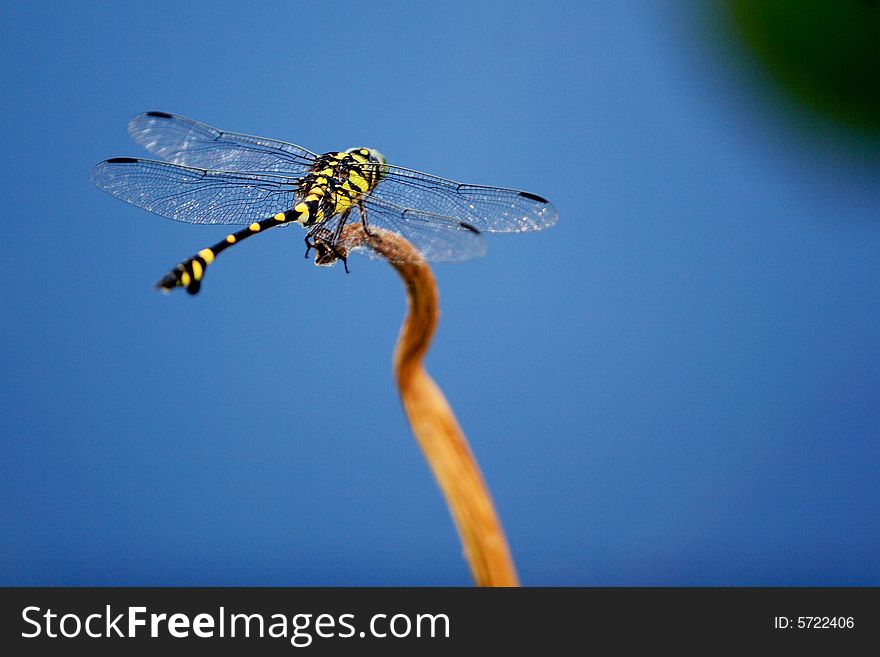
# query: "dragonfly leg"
326, 244
362, 211
189, 273
312, 239
339, 254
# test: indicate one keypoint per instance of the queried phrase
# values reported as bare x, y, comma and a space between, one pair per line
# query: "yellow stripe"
185, 279
207, 255
254, 227
197, 270
230, 238
358, 181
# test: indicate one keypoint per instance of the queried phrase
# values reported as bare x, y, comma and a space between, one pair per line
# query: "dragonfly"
208, 176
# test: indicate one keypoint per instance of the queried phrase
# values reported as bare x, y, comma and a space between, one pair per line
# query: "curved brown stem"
433, 422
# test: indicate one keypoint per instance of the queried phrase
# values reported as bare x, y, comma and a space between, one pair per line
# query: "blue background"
679, 384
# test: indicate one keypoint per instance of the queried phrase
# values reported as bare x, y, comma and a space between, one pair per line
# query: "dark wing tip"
469, 227
534, 197
160, 115
121, 160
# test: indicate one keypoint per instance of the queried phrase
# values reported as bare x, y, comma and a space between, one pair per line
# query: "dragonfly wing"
438, 238
491, 209
180, 140
195, 196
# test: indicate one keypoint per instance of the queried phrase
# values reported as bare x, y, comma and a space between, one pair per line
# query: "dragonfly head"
375, 157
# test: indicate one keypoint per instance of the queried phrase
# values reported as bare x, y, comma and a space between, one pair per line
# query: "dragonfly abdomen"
190, 272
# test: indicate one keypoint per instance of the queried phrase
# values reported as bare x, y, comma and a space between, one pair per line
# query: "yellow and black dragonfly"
209, 176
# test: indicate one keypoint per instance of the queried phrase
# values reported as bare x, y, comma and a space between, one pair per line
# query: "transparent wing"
180, 140
492, 209
195, 196
439, 239
183, 141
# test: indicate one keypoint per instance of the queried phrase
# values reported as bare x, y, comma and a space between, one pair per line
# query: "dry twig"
432, 420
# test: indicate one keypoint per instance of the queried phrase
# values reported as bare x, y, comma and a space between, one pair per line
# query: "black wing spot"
160, 115
534, 197
122, 160
469, 227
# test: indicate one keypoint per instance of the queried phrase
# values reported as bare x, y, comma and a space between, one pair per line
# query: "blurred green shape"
826, 53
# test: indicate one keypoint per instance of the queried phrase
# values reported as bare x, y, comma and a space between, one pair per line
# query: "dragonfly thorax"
336, 183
